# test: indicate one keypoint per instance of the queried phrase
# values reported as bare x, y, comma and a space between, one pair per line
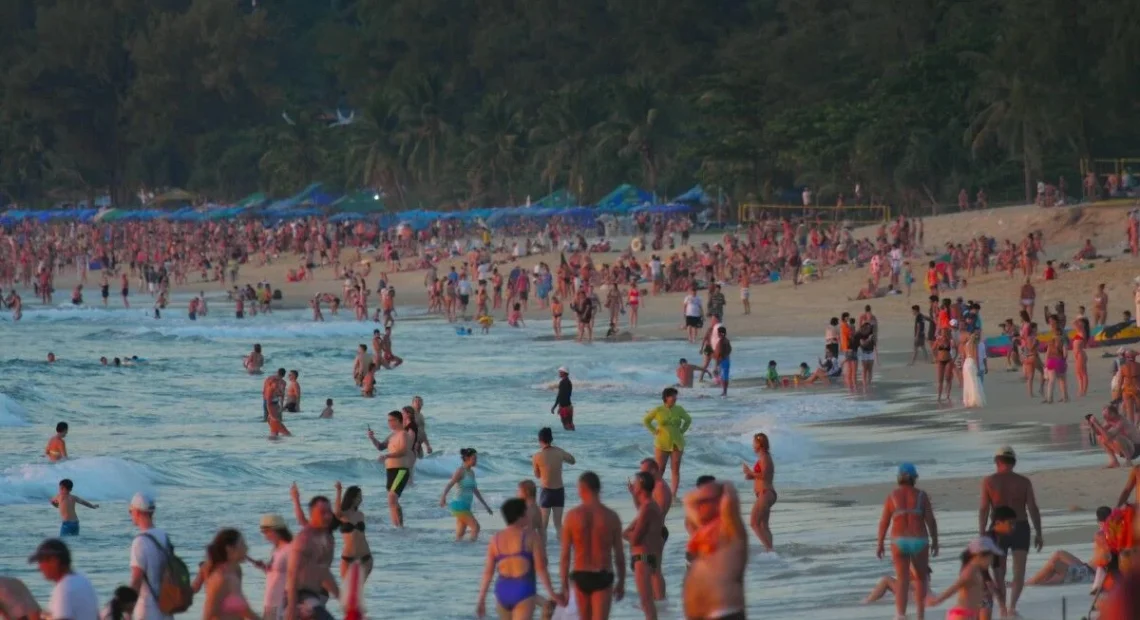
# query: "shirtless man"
1118, 437
273, 396
548, 469
65, 501
309, 580
593, 536
645, 541
1005, 488
360, 365
685, 372
714, 584
1028, 297
254, 361
397, 462
663, 497
56, 449
1100, 306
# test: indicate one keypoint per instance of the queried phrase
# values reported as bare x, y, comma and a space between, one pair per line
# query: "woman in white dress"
973, 394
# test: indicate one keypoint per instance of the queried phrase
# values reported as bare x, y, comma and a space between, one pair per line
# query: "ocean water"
185, 426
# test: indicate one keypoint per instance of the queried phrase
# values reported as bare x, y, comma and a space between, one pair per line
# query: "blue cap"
908, 470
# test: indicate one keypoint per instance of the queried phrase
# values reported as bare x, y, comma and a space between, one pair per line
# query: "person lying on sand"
1064, 568
868, 292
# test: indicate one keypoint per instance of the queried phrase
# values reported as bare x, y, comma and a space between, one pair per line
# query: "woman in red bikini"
761, 476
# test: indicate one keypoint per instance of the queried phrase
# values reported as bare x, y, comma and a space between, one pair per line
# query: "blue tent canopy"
623, 199
695, 194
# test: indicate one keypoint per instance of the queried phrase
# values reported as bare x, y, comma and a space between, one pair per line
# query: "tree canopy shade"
443, 103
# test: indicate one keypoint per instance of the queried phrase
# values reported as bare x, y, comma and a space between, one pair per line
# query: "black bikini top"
348, 528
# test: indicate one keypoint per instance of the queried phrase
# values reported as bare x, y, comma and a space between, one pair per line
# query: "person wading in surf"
714, 584
593, 537
309, 581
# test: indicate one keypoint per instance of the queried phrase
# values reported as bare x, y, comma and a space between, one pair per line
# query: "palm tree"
295, 153
424, 126
1013, 113
566, 131
374, 148
640, 124
495, 133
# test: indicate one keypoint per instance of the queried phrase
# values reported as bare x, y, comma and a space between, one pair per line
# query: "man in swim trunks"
723, 353
714, 584
548, 469
397, 462
645, 541
664, 499
1006, 488
309, 582
593, 537
562, 403
56, 449
388, 359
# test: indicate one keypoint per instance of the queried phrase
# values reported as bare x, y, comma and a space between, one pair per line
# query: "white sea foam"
11, 412
97, 478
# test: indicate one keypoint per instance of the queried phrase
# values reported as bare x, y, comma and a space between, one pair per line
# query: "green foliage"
458, 103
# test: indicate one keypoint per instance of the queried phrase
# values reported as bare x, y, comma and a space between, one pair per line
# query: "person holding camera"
1118, 436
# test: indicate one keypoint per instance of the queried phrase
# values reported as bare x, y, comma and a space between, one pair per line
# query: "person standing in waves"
593, 537
714, 584
668, 422
562, 403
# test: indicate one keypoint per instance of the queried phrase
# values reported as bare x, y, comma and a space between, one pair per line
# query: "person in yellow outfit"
668, 423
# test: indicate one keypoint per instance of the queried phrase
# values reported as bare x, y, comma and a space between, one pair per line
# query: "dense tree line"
484, 102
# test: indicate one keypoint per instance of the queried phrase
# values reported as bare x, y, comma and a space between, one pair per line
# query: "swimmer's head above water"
51, 357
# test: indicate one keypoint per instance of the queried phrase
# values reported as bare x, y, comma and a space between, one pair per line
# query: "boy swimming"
66, 502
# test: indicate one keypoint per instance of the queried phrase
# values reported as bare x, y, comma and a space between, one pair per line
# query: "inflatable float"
1116, 335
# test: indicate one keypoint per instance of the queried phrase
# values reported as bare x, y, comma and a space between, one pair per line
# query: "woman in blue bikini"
520, 556
909, 515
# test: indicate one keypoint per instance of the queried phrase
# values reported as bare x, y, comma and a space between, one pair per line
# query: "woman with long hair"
224, 598
944, 365
909, 515
1080, 354
761, 475
973, 393
466, 492
347, 511
1056, 365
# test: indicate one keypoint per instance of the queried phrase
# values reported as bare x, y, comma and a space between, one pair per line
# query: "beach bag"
173, 594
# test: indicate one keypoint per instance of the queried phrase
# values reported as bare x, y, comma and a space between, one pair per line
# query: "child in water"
514, 319
486, 321
327, 412
66, 502
773, 380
